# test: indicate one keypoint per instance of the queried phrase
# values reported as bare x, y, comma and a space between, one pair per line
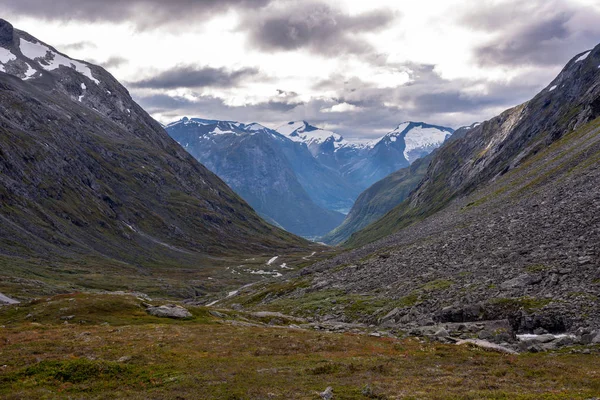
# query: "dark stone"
6, 33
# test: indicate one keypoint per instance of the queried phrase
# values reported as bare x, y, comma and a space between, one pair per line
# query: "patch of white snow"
530, 336
583, 56
218, 131
52, 60
7, 300
272, 260
6, 55
420, 137
30, 72
262, 272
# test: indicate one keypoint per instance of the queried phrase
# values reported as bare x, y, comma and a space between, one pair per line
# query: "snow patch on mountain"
52, 60
303, 132
583, 56
418, 137
218, 131
255, 127
30, 72
6, 55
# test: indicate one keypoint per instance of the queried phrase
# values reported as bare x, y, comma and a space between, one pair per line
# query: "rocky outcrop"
6, 33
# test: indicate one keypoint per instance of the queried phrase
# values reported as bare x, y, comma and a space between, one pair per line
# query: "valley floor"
106, 346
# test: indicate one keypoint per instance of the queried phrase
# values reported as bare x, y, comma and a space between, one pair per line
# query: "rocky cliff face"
86, 174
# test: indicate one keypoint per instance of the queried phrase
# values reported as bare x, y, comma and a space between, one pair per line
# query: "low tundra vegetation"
106, 346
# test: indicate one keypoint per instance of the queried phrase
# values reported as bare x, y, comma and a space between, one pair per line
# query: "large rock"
484, 344
521, 281
169, 311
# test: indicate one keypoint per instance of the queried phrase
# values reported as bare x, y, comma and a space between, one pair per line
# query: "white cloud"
341, 107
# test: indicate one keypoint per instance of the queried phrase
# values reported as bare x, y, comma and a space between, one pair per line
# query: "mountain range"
298, 176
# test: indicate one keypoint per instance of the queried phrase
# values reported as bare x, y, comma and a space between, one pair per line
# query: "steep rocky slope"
496, 146
521, 244
279, 179
88, 179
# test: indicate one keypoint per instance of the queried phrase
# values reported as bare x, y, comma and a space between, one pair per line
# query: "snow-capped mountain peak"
418, 138
209, 129
316, 138
193, 121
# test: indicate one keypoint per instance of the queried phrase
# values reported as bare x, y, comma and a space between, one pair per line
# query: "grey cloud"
533, 45
194, 77
76, 46
428, 98
493, 16
542, 33
213, 107
313, 26
112, 62
144, 14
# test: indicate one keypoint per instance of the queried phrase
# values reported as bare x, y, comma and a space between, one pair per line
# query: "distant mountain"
392, 190
90, 181
268, 170
366, 162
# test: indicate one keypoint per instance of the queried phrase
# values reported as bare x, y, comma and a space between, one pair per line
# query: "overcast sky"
359, 67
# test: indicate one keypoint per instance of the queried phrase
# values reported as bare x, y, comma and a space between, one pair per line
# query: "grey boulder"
169, 311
